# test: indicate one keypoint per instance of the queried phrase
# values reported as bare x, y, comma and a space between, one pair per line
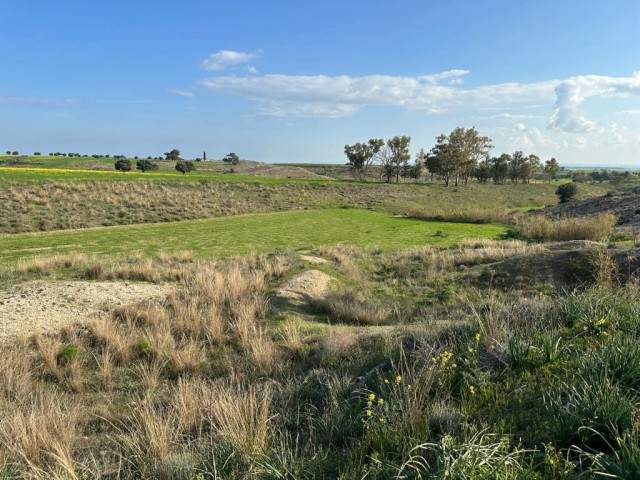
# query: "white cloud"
226, 58
511, 116
572, 92
343, 95
180, 91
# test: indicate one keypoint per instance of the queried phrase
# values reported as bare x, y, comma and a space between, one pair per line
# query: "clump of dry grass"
353, 307
39, 435
482, 251
466, 215
595, 228
240, 415
15, 374
344, 256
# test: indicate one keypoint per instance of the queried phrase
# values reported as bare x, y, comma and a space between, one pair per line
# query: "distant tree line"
455, 158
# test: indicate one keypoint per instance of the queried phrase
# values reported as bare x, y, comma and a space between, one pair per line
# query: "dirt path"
39, 307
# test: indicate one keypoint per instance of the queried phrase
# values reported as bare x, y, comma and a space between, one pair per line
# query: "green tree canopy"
123, 165
172, 155
184, 166
362, 155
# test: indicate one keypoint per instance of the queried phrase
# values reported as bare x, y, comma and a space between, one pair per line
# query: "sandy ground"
39, 307
309, 285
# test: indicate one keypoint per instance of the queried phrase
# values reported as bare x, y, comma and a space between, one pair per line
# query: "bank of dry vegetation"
405, 369
59, 205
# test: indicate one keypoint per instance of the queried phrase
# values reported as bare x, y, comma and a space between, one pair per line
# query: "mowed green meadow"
237, 235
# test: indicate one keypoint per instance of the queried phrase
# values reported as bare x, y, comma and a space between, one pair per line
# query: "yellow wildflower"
372, 396
369, 413
398, 379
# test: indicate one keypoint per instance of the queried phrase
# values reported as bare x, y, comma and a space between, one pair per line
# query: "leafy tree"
534, 166
499, 168
173, 155
36, 154
15, 152
146, 166
183, 166
231, 159
362, 155
551, 168
399, 149
566, 191
445, 159
517, 166
8, 152
123, 165
415, 171
483, 171
457, 155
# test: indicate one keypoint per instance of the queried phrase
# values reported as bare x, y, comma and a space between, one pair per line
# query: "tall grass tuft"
596, 228
240, 415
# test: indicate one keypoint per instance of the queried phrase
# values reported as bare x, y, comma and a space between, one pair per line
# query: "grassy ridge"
43, 174
228, 236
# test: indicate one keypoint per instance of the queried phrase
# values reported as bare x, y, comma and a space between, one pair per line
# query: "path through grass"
228, 236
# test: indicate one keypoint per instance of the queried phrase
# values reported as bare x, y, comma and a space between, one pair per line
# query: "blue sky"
294, 81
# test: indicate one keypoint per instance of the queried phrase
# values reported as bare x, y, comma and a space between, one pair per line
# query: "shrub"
566, 192
123, 165
146, 166
183, 166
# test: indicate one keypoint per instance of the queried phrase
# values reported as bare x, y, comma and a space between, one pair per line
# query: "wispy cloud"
226, 58
181, 92
36, 101
343, 95
572, 92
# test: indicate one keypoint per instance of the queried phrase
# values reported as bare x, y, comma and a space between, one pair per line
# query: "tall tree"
500, 168
362, 155
534, 166
445, 159
551, 168
399, 150
516, 165
457, 155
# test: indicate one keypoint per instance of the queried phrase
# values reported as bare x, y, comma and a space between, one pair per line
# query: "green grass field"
229, 236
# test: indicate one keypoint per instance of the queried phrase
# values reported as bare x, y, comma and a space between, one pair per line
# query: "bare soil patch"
304, 288
42, 307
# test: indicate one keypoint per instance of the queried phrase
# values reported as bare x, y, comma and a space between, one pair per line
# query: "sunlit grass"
229, 236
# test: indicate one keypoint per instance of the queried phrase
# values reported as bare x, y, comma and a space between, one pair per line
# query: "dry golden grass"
149, 374
595, 228
482, 251
15, 374
188, 357
352, 307
240, 415
40, 435
106, 369
190, 401
263, 350
48, 349
466, 215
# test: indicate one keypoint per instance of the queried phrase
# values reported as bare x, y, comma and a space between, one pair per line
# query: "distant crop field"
229, 236
42, 174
